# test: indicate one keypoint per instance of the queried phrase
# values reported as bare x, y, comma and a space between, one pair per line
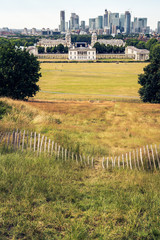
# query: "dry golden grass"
106, 127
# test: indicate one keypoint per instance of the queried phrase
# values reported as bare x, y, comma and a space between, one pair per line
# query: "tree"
19, 73
151, 42
40, 49
150, 80
60, 48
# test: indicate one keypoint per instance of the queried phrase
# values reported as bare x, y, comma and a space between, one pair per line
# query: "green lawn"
42, 199
90, 79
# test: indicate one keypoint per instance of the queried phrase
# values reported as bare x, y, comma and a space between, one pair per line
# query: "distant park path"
103, 95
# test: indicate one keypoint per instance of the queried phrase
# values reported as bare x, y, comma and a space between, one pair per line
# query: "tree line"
57, 49
141, 44
102, 48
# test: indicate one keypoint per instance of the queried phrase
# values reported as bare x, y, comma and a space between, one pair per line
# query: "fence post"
107, 165
123, 160
103, 163
141, 157
130, 160
138, 159
92, 162
49, 143
19, 140
52, 148
34, 141
45, 144
134, 157
157, 156
119, 161
42, 139
76, 159
88, 160
23, 140
31, 141
149, 158
38, 145
153, 158
127, 159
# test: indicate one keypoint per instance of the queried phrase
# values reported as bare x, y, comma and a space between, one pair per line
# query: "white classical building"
82, 53
113, 42
52, 43
140, 54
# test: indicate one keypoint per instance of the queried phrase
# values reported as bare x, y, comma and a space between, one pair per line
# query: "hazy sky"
45, 13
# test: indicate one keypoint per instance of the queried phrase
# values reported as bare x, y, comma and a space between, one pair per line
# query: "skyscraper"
127, 22
74, 21
62, 21
106, 19
83, 25
99, 22
122, 22
92, 23
158, 27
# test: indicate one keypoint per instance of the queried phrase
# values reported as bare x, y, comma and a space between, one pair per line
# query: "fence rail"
144, 158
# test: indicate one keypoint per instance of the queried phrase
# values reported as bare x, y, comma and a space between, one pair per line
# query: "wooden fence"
40, 144
145, 158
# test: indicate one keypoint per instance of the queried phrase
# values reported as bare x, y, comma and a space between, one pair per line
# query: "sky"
18, 14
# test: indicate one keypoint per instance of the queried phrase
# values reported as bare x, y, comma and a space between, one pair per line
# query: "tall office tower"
99, 22
74, 22
127, 22
62, 21
122, 22
66, 26
140, 25
83, 25
106, 19
114, 21
158, 27
92, 23
25, 31
33, 31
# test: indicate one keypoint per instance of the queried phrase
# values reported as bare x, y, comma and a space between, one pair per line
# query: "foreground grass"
44, 199
89, 80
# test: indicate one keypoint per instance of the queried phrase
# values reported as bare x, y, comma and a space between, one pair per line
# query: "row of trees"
101, 48
57, 49
26, 42
141, 44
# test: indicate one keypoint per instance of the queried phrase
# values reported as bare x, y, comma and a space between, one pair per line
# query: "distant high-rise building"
127, 22
139, 25
66, 26
158, 27
99, 22
92, 23
83, 25
62, 21
25, 31
106, 19
122, 22
74, 21
33, 31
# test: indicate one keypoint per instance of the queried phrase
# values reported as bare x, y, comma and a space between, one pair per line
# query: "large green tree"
19, 73
150, 80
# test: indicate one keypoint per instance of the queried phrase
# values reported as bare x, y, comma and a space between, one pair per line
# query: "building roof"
111, 42
82, 49
140, 51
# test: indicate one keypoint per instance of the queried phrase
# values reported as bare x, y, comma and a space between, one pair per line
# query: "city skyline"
39, 14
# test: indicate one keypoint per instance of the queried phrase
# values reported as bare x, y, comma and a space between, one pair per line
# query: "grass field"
89, 81
42, 199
